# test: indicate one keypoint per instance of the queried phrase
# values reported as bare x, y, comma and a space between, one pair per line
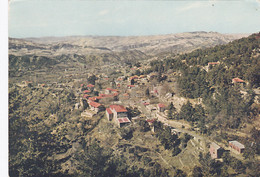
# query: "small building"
109, 114
130, 86
118, 113
238, 81
213, 64
237, 146
214, 151
121, 122
86, 91
110, 90
90, 86
161, 107
97, 107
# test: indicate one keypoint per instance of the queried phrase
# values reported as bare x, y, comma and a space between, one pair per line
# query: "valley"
135, 106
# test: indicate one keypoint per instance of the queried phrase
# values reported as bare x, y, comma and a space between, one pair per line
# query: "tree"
92, 79
187, 111
171, 111
147, 92
94, 161
132, 81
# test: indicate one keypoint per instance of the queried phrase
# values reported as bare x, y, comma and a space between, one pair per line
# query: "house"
94, 106
25, 84
119, 114
150, 121
118, 111
130, 86
213, 64
90, 87
214, 151
95, 98
109, 114
161, 107
88, 113
237, 146
109, 90
123, 122
86, 91
238, 81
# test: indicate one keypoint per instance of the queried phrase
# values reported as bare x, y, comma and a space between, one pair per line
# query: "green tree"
187, 111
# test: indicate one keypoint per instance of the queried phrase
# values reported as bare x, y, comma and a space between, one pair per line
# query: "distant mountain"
176, 43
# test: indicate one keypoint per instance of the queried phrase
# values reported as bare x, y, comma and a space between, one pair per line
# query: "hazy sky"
37, 18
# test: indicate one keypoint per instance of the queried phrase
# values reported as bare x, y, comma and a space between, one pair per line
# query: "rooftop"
237, 80
237, 144
109, 111
123, 120
118, 108
94, 104
161, 105
215, 146
90, 85
150, 120
86, 91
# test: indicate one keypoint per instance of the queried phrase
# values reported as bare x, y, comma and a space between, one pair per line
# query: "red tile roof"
94, 104
123, 120
113, 90
81, 85
93, 98
86, 91
86, 96
146, 104
125, 94
109, 111
237, 80
213, 63
118, 108
150, 120
90, 85
131, 86
161, 105
107, 96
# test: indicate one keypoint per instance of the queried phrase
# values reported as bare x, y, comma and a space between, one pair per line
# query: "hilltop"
82, 45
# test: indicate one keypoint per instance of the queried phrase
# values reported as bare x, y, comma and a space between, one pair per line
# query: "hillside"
170, 109
176, 43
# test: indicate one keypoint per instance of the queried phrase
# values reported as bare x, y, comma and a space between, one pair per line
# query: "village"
125, 97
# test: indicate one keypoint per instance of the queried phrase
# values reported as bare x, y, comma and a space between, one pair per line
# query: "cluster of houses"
216, 151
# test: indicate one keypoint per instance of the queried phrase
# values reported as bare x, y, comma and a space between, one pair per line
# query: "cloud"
103, 12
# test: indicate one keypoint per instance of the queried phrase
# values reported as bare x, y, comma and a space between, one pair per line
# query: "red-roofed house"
109, 114
123, 121
90, 86
214, 151
95, 98
237, 80
237, 146
130, 86
109, 90
97, 107
146, 104
119, 114
213, 63
86, 91
161, 107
